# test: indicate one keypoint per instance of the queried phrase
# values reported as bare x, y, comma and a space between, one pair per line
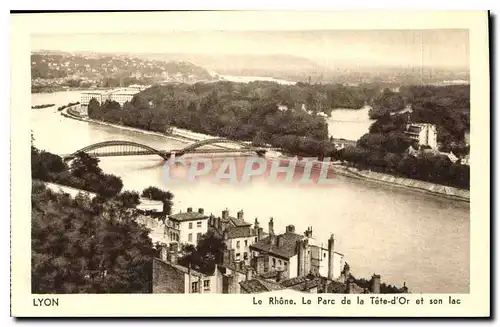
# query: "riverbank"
406, 183
340, 169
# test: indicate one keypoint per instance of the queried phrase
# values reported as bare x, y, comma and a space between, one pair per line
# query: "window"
324, 255
194, 287
237, 244
279, 261
256, 239
238, 255
206, 285
245, 255
274, 262
190, 237
190, 225
198, 236
286, 263
198, 224
246, 243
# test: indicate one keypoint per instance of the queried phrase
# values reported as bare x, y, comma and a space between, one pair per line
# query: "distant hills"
301, 69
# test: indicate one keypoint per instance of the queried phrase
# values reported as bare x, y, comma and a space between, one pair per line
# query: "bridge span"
129, 148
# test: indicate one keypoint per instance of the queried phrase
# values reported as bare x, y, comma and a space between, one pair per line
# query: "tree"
83, 165
93, 108
81, 248
208, 252
129, 199
154, 193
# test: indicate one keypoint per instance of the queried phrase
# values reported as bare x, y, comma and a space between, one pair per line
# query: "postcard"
196, 164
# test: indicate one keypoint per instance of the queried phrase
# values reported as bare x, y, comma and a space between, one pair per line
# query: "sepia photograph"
325, 162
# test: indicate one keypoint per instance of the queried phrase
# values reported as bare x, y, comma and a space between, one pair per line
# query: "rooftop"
287, 245
180, 268
259, 286
231, 233
187, 216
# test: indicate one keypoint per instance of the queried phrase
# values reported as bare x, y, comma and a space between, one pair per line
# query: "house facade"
296, 255
187, 227
238, 234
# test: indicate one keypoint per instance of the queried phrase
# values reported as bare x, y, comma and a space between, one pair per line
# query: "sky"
434, 48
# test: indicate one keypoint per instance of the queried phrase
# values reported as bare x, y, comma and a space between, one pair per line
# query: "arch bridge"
128, 148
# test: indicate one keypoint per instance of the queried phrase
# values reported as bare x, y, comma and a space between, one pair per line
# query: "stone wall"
167, 279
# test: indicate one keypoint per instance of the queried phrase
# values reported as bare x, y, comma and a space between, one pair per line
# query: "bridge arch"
199, 144
106, 144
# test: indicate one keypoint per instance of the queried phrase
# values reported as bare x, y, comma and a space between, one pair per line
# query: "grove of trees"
84, 246
250, 112
83, 173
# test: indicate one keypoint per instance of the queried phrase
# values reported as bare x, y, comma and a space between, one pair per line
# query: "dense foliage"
284, 117
154, 193
84, 173
241, 111
448, 107
207, 253
83, 246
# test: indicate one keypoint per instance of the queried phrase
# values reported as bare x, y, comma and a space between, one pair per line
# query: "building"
123, 95
147, 205
238, 235
189, 225
99, 95
120, 95
342, 143
296, 254
170, 277
423, 133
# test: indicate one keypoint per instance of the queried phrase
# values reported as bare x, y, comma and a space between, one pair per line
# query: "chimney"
163, 252
290, 229
331, 256
225, 214
271, 227
309, 232
301, 260
249, 274
201, 211
190, 209
375, 284
256, 224
259, 234
279, 241
240, 214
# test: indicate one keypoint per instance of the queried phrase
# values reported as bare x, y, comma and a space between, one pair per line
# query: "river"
405, 236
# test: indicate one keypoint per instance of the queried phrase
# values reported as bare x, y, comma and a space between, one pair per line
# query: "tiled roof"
305, 286
272, 274
287, 248
259, 286
294, 281
238, 222
239, 232
180, 268
186, 216
253, 286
